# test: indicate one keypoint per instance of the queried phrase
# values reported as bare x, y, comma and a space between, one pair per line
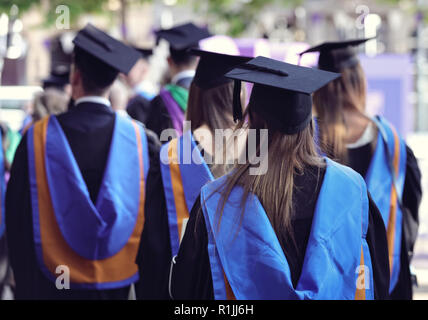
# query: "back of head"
347, 93
96, 75
182, 58
211, 107
99, 58
211, 94
181, 38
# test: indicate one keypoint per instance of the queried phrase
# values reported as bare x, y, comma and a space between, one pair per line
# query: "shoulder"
152, 139
337, 170
153, 142
213, 190
157, 100
386, 125
412, 165
138, 100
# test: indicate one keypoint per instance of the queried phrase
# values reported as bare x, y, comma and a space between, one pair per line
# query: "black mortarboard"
144, 52
184, 36
56, 80
106, 49
212, 66
58, 77
281, 92
335, 56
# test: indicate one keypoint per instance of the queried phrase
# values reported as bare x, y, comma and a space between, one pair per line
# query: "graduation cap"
54, 80
183, 37
144, 52
58, 77
335, 56
107, 50
212, 66
281, 92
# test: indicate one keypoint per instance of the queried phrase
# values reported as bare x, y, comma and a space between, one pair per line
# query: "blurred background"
35, 42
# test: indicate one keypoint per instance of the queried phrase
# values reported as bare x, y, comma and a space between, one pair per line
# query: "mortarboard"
281, 92
58, 77
144, 52
212, 66
106, 49
54, 80
335, 56
183, 37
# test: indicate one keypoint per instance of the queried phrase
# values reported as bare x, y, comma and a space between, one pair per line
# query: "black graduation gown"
88, 128
138, 108
359, 160
191, 276
158, 117
154, 256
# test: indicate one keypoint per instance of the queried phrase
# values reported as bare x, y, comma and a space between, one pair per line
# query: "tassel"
237, 107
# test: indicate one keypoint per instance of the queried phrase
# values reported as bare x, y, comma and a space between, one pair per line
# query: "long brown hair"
212, 107
345, 93
287, 156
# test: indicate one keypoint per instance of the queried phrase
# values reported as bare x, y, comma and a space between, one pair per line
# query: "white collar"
367, 137
183, 74
93, 99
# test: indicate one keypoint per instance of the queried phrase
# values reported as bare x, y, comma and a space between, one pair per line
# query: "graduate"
373, 148
167, 109
139, 104
304, 229
187, 163
76, 197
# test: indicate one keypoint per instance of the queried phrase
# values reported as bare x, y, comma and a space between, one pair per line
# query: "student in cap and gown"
75, 200
372, 147
297, 226
139, 105
167, 109
209, 108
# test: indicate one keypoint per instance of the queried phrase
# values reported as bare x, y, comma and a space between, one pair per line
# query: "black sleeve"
191, 274
139, 108
19, 223
154, 256
378, 245
412, 194
158, 118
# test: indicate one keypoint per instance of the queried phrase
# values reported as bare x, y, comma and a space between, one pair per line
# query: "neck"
356, 123
79, 95
78, 92
178, 69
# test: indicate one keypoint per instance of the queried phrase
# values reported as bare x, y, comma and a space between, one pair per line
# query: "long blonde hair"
330, 102
288, 155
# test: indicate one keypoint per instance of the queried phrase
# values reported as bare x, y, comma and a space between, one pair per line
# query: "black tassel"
237, 107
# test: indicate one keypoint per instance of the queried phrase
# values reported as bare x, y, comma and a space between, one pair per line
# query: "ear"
75, 76
170, 62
